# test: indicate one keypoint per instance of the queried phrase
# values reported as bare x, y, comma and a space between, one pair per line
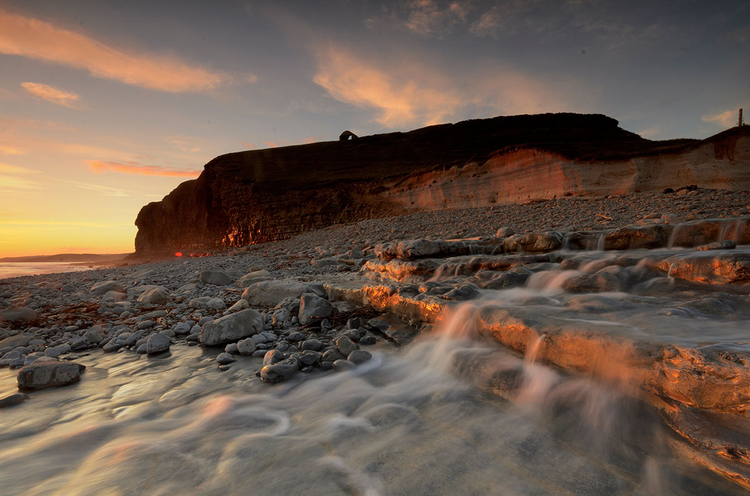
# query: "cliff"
262, 195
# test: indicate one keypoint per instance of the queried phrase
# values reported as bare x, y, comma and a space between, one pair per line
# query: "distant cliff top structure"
347, 135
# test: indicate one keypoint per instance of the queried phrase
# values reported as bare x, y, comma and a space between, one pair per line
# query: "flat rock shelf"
606, 357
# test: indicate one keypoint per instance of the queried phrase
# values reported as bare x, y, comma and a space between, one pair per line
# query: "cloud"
109, 191
15, 169
408, 93
726, 119
35, 39
10, 182
428, 18
9, 150
274, 144
52, 94
184, 146
248, 145
99, 167
399, 100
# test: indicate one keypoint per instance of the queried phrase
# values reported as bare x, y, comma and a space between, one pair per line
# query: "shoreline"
321, 300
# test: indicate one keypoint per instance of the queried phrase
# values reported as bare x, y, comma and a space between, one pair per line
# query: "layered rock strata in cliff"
263, 195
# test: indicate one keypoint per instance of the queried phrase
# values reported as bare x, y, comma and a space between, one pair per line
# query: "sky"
106, 106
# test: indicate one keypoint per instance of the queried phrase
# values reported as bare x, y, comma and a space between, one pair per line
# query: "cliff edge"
263, 195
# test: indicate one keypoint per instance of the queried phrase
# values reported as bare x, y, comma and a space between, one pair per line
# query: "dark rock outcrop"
262, 195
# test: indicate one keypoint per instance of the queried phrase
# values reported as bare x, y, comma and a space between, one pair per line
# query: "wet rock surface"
637, 307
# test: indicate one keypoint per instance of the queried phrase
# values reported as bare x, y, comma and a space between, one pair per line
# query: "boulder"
637, 237
157, 343
103, 287
271, 293
21, 315
246, 347
16, 341
709, 267
313, 309
231, 328
280, 371
49, 373
534, 242
155, 296
215, 277
239, 306
95, 335
345, 345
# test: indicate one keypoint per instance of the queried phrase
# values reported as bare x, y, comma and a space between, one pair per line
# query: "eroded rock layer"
263, 195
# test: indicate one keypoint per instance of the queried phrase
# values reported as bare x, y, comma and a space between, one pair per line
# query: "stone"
22, 315
233, 327
709, 267
46, 374
312, 344
239, 306
207, 303
296, 336
246, 347
313, 309
272, 357
332, 355
534, 242
157, 343
271, 293
56, 351
103, 287
111, 347
504, 232
718, 245
231, 348
345, 345
342, 365
94, 335
12, 399
310, 357
359, 356
225, 358
215, 277
252, 277
637, 237
155, 296
16, 341
280, 371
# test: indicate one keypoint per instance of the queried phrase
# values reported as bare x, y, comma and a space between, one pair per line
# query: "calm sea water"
16, 269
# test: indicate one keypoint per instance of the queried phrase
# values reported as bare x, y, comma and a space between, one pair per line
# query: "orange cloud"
99, 167
404, 92
32, 38
52, 94
9, 150
727, 118
400, 101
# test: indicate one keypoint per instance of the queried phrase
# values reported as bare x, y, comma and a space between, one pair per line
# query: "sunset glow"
105, 110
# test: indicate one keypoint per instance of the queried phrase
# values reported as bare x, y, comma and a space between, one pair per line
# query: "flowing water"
410, 421
18, 269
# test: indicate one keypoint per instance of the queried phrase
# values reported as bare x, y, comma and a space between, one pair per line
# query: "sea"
18, 269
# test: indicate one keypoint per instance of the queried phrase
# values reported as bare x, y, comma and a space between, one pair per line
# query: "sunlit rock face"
262, 195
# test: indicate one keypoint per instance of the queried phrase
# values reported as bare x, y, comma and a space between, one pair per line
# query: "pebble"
224, 358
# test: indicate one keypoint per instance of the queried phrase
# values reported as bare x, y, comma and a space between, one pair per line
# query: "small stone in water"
225, 358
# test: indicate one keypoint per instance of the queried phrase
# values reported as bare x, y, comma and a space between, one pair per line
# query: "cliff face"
262, 195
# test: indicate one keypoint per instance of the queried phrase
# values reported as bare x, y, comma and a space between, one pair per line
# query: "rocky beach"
578, 345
